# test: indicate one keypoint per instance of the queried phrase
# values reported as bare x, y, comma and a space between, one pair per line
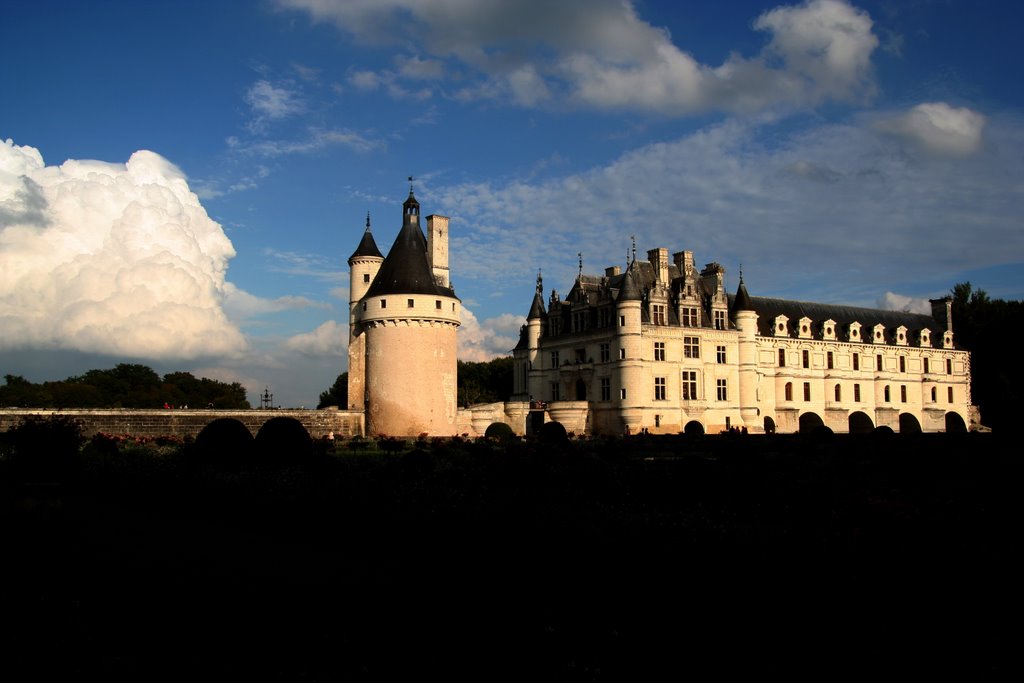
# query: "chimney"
437, 248
612, 271
659, 261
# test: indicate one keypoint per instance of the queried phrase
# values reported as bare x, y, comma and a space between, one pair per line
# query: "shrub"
283, 440
499, 431
45, 447
552, 432
226, 441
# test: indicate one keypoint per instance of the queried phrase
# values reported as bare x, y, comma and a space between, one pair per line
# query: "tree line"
125, 386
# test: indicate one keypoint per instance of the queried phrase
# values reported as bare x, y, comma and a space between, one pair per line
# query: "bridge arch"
810, 422
860, 423
909, 424
955, 424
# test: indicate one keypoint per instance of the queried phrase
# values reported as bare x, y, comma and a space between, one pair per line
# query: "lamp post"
266, 399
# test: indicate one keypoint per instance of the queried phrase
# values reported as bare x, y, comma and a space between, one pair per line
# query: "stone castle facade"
661, 347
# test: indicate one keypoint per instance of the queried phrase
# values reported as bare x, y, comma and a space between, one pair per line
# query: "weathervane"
410, 184
367, 221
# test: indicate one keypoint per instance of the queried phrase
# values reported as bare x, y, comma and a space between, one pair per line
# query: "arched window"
887, 393
935, 395
839, 393
789, 391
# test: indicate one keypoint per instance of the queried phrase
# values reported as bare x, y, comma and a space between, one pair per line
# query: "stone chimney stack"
659, 261
437, 248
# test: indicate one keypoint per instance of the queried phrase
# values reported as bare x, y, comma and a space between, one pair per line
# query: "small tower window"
411, 303
383, 303
366, 278
437, 304
782, 358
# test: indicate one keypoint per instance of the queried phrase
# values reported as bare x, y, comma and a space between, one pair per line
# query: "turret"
363, 265
627, 308
745, 318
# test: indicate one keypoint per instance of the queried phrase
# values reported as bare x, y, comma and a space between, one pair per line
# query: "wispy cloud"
316, 140
305, 264
600, 53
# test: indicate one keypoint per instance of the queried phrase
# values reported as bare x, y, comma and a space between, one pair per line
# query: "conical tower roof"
742, 300
367, 245
629, 290
406, 269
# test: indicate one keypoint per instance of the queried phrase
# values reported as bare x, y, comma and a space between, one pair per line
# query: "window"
949, 394
806, 355
879, 365
856, 393
885, 394
926, 368
691, 347
383, 303
856, 361
807, 391
437, 304
720, 354
659, 388
554, 391
581, 355
579, 321
719, 320
949, 366
364, 305
604, 353
723, 390
658, 314
935, 395
829, 360
690, 318
606, 389
782, 358
622, 321
903, 393
411, 303
659, 350
689, 385
622, 354
366, 278
903, 363
622, 394
839, 393
789, 391
554, 359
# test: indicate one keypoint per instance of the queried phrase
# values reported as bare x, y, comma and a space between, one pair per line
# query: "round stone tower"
363, 265
408, 317
746, 324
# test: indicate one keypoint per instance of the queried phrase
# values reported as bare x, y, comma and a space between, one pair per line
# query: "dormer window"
924, 338
805, 328
828, 329
854, 333
901, 335
947, 340
878, 335
780, 326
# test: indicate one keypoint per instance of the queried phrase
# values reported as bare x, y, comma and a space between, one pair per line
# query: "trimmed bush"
225, 441
499, 431
552, 432
283, 440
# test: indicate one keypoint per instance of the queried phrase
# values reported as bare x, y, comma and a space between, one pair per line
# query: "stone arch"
693, 428
283, 439
860, 423
810, 422
909, 424
955, 424
769, 425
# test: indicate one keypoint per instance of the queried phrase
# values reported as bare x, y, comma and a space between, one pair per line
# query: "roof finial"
633, 238
367, 221
579, 255
741, 273
410, 184
540, 283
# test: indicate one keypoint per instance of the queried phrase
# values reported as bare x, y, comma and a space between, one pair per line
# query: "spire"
579, 274
629, 290
367, 245
742, 301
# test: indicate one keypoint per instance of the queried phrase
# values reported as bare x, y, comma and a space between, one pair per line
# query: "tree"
337, 395
486, 382
989, 329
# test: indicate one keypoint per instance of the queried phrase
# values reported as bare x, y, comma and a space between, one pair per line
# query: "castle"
662, 348
659, 347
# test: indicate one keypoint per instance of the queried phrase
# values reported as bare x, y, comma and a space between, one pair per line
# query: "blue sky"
182, 182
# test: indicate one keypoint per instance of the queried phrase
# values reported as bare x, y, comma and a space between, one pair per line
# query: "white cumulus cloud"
118, 259
483, 341
891, 301
329, 339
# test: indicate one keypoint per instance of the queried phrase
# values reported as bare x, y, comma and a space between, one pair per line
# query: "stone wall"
319, 423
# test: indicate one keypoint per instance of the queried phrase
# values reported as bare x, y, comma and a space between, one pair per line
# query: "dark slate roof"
406, 269
537, 309
768, 308
367, 246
